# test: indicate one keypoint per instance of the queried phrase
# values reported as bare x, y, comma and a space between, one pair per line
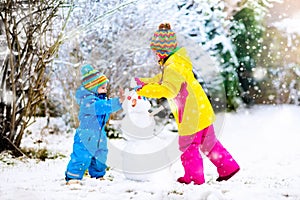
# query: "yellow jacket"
188, 102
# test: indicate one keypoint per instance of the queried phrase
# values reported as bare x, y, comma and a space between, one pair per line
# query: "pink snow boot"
185, 179
225, 178
221, 158
193, 166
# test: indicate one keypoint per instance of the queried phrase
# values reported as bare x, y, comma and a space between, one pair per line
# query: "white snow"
289, 25
264, 140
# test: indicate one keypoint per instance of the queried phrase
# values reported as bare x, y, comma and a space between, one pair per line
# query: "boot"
225, 178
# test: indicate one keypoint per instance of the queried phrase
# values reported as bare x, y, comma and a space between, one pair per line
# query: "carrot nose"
133, 102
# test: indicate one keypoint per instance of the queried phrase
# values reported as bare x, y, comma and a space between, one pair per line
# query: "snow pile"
264, 140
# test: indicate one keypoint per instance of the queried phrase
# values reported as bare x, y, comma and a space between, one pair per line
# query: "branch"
14, 146
39, 11
83, 27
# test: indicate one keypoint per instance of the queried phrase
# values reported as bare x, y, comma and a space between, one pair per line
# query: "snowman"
138, 129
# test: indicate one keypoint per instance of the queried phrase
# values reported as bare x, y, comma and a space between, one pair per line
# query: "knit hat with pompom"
163, 40
92, 79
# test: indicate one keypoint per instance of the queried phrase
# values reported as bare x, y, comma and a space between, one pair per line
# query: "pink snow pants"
211, 147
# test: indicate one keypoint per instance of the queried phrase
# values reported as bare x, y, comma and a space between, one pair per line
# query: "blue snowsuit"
90, 140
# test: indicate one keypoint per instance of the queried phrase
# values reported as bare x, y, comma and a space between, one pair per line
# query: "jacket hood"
82, 92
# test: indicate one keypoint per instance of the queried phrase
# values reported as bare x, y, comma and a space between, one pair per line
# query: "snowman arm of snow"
154, 112
107, 106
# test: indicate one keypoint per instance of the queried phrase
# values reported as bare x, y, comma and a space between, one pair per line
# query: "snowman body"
138, 127
145, 150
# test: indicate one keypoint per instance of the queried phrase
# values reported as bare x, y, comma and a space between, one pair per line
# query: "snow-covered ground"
264, 140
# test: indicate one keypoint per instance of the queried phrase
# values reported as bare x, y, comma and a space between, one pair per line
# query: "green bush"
41, 154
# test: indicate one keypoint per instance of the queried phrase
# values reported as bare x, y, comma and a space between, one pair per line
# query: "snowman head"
136, 109
134, 103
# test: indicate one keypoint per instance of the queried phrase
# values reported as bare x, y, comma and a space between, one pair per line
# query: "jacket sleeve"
154, 79
168, 88
92, 106
107, 106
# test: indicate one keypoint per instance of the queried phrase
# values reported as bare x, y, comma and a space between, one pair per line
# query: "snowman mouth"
133, 103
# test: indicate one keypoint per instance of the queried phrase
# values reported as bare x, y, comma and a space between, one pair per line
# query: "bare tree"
28, 45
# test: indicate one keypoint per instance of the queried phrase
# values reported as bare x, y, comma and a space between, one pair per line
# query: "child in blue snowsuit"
90, 140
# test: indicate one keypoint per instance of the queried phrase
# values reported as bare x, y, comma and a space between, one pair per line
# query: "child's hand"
121, 95
133, 83
136, 84
136, 88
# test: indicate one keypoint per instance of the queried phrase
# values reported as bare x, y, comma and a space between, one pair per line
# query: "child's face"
157, 55
102, 89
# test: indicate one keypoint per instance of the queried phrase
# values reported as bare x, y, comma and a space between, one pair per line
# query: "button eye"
129, 97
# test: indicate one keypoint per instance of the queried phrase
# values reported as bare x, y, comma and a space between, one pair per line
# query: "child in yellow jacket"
190, 106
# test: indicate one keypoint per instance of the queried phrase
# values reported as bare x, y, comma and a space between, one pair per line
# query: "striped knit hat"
92, 79
163, 41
